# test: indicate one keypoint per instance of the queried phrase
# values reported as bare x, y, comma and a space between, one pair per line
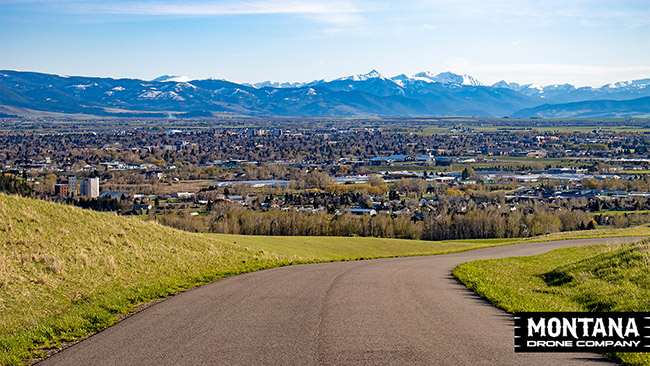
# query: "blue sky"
583, 42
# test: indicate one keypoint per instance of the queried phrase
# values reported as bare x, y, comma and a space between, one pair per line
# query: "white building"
89, 187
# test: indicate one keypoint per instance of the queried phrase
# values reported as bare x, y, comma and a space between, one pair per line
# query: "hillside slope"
66, 272
635, 108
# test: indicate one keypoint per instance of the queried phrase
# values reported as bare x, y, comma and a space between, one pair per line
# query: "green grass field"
613, 213
593, 278
332, 248
66, 273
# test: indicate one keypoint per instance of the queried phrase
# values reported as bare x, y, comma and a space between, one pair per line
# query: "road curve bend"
397, 311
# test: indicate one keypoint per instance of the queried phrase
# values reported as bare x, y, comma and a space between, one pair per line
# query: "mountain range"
371, 94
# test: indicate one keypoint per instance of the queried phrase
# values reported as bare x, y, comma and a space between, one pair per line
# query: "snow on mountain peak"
172, 78
277, 84
426, 75
635, 84
374, 74
506, 85
447, 78
451, 78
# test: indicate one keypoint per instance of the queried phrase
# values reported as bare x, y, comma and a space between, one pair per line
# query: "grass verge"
592, 278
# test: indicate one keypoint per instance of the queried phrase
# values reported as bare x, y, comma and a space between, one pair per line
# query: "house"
361, 211
426, 200
396, 158
139, 209
401, 158
426, 160
155, 174
380, 161
443, 179
537, 154
184, 195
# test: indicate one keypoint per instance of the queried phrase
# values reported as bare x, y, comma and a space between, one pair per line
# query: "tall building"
89, 187
74, 184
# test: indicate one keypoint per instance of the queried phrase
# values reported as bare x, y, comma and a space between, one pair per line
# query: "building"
426, 160
62, 190
361, 211
74, 186
401, 158
89, 187
379, 160
443, 161
112, 194
180, 145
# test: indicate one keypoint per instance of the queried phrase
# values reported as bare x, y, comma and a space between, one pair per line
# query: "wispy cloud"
632, 13
206, 8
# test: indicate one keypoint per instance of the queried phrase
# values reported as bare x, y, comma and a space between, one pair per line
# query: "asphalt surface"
398, 311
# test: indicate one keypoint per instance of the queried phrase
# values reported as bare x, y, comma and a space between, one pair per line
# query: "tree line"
475, 224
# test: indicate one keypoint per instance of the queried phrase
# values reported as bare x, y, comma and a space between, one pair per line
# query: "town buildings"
87, 187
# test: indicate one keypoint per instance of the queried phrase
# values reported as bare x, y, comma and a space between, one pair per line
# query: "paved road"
399, 311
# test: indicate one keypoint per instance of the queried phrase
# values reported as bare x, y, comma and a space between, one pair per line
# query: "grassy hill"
66, 273
593, 278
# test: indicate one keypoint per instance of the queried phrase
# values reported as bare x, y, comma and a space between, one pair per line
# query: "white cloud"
632, 13
206, 8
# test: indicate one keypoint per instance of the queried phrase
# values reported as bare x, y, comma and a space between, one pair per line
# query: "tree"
468, 173
376, 180
541, 223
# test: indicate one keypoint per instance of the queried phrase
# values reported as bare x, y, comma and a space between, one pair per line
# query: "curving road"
398, 311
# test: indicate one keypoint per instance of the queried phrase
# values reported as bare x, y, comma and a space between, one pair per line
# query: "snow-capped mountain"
567, 93
630, 84
374, 74
448, 78
171, 78
277, 84
372, 82
422, 94
512, 86
445, 78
